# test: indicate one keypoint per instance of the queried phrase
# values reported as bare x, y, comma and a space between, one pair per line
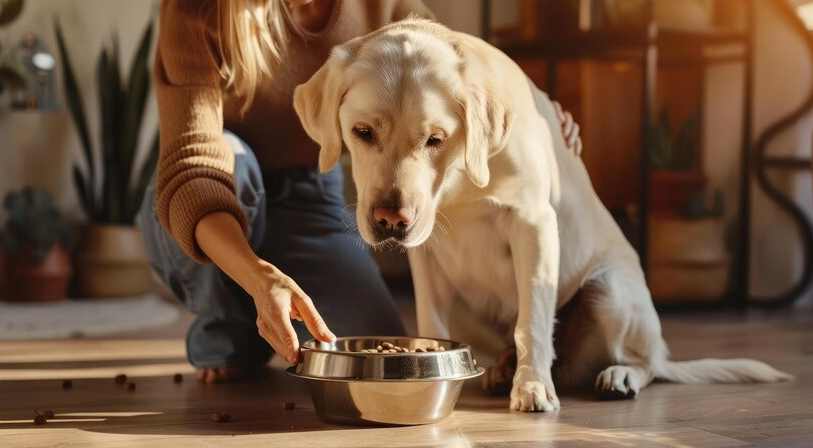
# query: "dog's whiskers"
443, 215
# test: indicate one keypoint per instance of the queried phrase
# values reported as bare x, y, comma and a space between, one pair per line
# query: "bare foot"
219, 375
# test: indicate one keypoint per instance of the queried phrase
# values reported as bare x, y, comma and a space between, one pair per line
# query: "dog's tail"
719, 371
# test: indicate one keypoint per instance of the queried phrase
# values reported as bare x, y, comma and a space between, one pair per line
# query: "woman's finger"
567, 126
560, 113
313, 320
289, 343
574, 136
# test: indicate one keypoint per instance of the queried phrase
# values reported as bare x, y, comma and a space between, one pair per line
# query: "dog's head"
412, 113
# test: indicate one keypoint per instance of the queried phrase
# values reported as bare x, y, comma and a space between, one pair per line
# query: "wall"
38, 148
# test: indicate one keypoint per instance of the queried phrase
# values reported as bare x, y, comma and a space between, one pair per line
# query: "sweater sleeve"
195, 173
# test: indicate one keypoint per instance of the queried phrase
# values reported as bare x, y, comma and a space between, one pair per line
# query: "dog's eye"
364, 133
434, 141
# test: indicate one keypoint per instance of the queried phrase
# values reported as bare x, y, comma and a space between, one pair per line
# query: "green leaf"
109, 87
686, 143
74, 100
135, 100
82, 191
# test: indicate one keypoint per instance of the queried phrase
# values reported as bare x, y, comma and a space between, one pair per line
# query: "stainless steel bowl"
351, 387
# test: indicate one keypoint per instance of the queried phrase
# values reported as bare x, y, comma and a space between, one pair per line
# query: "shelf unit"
651, 47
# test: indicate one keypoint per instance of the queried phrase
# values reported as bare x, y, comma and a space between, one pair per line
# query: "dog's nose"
391, 220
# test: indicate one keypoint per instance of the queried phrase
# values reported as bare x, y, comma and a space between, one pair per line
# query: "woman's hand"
278, 300
277, 297
570, 129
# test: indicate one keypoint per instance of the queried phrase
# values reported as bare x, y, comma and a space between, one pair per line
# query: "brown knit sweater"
195, 170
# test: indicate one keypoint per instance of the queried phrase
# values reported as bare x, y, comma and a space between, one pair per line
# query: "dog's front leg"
433, 294
534, 241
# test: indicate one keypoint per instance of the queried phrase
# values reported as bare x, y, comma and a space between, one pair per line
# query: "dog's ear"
488, 123
317, 104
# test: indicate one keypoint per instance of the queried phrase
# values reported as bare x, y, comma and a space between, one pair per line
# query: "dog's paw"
533, 396
618, 383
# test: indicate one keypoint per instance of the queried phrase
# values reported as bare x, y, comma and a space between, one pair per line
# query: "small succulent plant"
678, 153
33, 221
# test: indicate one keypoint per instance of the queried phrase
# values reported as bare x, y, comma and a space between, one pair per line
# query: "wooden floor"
159, 413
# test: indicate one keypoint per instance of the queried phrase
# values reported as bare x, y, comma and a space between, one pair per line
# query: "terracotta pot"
688, 259
111, 262
670, 191
29, 281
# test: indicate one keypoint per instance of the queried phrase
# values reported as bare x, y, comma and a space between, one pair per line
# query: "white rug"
83, 317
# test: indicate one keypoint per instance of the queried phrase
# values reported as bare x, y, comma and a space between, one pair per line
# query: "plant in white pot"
35, 240
110, 258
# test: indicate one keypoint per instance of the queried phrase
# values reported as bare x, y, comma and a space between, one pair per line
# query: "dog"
459, 159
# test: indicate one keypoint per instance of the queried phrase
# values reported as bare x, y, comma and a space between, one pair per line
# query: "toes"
533, 396
617, 383
219, 374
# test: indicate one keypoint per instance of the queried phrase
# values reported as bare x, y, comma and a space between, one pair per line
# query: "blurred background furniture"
680, 174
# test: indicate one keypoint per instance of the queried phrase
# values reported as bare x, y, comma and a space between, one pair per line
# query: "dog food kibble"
67, 384
130, 386
288, 405
40, 419
177, 378
120, 379
389, 347
47, 413
221, 417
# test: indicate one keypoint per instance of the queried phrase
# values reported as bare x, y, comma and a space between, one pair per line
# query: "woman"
239, 223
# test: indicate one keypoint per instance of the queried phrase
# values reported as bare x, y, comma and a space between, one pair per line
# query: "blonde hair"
253, 36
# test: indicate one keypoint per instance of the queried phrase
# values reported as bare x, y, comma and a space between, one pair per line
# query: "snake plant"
112, 194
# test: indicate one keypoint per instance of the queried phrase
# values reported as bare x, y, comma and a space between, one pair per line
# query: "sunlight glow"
805, 13
96, 372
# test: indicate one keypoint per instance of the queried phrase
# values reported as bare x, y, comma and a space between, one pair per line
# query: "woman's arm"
277, 297
196, 200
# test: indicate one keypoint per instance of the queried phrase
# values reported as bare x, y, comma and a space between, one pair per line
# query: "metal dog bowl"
351, 387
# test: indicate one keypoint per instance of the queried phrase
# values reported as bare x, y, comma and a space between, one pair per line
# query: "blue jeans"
298, 222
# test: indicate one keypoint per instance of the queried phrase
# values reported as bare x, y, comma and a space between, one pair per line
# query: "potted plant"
688, 257
676, 175
110, 259
34, 240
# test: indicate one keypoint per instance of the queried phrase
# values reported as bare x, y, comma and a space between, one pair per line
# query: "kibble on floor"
47, 413
67, 384
120, 379
221, 417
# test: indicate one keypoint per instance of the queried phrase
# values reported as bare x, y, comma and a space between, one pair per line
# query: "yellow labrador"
457, 158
